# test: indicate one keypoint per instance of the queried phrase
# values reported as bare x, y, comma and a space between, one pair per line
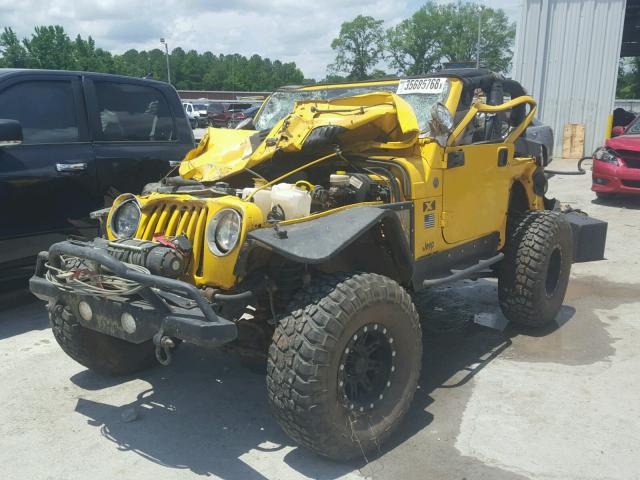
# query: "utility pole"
166, 50
479, 34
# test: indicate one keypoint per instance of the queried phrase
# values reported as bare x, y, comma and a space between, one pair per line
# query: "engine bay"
310, 190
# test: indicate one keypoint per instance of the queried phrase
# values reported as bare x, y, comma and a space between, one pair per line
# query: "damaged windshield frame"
281, 102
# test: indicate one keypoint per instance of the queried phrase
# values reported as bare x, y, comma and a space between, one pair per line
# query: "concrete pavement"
495, 402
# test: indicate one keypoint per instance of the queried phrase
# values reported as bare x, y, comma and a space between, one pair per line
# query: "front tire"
98, 352
533, 277
344, 365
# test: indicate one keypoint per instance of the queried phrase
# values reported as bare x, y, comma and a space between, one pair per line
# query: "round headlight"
223, 231
124, 221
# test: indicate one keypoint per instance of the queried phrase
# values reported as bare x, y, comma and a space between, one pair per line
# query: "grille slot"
172, 220
631, 183
630, 158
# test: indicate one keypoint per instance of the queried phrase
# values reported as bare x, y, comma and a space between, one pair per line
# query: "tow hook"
163, 345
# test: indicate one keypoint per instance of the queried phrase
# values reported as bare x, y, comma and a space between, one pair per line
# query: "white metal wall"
566, 57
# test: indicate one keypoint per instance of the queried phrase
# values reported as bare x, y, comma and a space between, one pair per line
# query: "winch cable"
77, 276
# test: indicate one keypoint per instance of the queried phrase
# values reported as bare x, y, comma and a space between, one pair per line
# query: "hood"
356, 124
624, 142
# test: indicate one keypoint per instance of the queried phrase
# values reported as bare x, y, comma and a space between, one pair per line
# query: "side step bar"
460, 274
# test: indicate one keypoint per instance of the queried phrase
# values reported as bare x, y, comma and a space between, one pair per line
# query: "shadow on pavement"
620, 201
21, 312
206, 412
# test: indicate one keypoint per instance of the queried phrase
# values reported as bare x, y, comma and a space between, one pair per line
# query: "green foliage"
415, 45
446, 33
13, 53
629, 78
359, 47
460, 38
50, 47
435, 34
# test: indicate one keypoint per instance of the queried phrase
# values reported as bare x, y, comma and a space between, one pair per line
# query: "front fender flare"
319, 240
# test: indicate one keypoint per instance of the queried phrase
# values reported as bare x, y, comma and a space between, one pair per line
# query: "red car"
220, 114
616, 166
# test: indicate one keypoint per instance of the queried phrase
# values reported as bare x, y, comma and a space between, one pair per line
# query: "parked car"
70, 142
243, 115
197, 113
192, 114
220, 113
616, 165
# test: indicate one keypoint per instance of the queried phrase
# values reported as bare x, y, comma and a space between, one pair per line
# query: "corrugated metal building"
566, 56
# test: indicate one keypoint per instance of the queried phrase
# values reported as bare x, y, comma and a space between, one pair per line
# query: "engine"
348, 188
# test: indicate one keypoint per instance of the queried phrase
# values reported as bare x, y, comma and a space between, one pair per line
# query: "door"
476, 181
47, 183
135, 140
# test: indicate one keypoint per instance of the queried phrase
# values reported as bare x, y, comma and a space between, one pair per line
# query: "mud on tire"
315, 381
98, 352
533, 277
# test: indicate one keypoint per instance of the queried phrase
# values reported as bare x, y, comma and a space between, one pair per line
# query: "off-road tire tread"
529, 239
300, 350
112, 356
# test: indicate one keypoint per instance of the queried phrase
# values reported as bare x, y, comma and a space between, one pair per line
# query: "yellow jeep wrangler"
302, 236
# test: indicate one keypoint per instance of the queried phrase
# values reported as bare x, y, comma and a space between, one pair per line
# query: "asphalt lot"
495, 402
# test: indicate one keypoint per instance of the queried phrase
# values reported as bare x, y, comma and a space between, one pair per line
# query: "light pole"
479, 32
166, 50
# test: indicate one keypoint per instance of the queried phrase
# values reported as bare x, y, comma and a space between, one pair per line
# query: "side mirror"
441, 124
617, 131
10, 133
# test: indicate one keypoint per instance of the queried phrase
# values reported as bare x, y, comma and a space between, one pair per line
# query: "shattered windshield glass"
281, 103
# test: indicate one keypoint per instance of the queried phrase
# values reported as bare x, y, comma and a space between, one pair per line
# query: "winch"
165, 257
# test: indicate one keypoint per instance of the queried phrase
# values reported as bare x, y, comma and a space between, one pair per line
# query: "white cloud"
288, 30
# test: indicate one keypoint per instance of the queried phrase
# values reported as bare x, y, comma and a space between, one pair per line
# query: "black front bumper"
194, 322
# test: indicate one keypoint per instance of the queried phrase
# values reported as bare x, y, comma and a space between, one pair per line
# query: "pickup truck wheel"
98, 352
343, 366
533, 277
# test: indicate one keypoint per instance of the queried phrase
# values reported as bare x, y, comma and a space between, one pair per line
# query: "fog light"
128, 323
85, 311
601, 181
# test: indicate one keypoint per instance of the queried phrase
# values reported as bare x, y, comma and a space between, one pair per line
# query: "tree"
628, 78
359, 47
415, 44
50, 47
460, 36
13, 52
438, 33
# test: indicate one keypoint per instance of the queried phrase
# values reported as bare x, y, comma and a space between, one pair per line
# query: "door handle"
71, 167
174, 163
503, 157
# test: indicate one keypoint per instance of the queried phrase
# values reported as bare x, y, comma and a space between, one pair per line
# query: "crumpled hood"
624, 142
358, 123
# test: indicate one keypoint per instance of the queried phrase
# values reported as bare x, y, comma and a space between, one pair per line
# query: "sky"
297, 31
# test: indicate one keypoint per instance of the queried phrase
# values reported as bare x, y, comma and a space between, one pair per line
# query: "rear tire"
533, 277
344, 365
98, 352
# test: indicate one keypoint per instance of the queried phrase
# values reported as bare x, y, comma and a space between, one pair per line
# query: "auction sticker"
421, 85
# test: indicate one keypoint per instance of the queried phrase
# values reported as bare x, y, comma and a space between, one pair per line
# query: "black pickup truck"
70, 142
